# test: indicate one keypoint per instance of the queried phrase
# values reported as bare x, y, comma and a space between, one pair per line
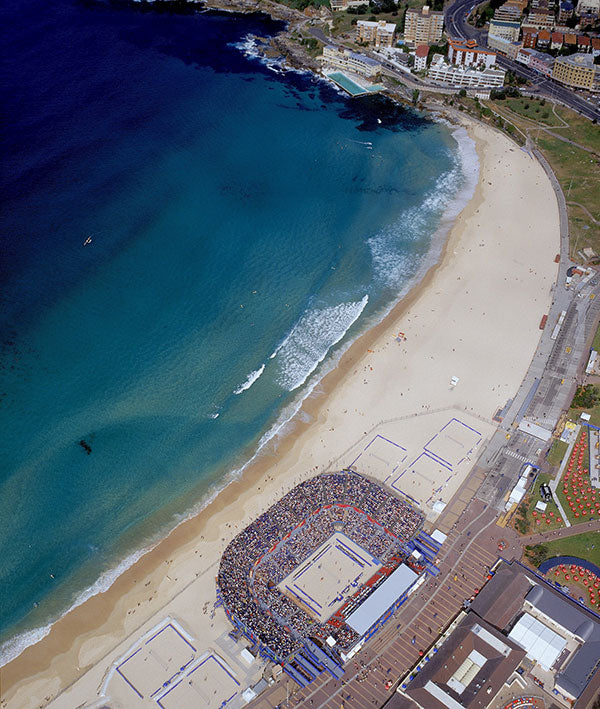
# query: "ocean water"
243, 224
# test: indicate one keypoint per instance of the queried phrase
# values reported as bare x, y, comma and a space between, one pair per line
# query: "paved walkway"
562, 533
465, 558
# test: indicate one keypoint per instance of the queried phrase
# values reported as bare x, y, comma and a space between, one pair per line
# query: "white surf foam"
250, 379
311, 338
252, 48
391, 263
15, 646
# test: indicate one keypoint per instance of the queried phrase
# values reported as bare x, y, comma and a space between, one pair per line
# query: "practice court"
332, 573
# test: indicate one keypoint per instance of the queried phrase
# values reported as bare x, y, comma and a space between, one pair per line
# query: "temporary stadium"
319, 572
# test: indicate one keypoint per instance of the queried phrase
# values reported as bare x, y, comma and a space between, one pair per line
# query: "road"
457, 27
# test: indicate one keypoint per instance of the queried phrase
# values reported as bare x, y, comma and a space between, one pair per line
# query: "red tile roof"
422, 50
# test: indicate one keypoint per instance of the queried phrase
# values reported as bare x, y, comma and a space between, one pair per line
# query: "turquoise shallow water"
244, 224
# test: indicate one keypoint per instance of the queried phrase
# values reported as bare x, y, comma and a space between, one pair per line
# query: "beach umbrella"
548, 521
534, 513
593, 601
575, 578
559, 519
584, 512
567, 577
576, 514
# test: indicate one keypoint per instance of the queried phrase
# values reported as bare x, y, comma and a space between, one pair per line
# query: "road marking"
518, 456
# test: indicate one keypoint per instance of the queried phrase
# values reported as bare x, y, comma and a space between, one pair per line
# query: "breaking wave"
311, 338
250, 379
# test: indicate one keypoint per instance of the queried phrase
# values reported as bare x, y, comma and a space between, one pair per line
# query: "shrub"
586, 397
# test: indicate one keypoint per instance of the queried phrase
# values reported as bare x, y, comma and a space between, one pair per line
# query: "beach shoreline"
303, 408
106, 621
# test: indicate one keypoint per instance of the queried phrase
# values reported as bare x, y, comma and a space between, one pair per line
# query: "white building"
469, 54
338, 5
463, 76
588, 6
342, 58
421, 53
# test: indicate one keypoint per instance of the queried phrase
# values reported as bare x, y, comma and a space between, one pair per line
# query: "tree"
436, 49
586, 397
536, 554
415, 96
462, 93
400, 25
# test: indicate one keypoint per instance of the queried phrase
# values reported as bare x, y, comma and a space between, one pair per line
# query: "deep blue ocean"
243, 224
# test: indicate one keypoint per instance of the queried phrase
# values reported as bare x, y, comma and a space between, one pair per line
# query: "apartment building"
423, 26
504, 46
381, 34
464, 76
506, 30
468, 53
591, 7
536, 60
577, 71
541, 19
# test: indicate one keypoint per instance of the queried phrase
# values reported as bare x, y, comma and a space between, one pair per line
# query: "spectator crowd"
283, 537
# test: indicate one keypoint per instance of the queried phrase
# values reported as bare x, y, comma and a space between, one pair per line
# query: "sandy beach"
474, 316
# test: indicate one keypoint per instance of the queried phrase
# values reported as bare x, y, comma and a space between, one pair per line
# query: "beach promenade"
475, 317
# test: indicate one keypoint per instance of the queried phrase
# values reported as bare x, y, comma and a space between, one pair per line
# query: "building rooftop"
469, 45
381, 599
422, 50
586, 660
505, 23
583, 61
424, 11
469, 668
381, 24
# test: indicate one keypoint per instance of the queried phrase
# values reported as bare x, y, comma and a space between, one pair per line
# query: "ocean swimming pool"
354, 89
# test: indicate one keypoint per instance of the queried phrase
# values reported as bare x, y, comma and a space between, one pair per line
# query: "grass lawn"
579, 175
557, 453
585, 546
580, 129
596, 340
534, 110
527, 519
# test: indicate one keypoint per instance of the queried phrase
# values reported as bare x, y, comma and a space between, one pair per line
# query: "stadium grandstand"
318, 573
